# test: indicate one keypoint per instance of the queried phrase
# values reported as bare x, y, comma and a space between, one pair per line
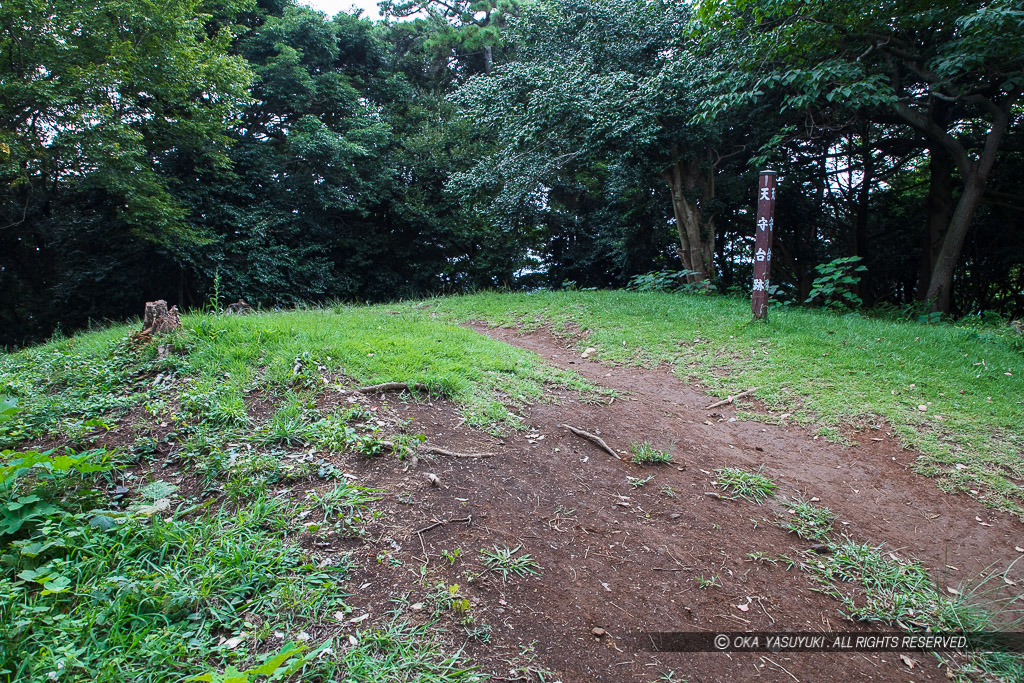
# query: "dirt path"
628, 560
871, 485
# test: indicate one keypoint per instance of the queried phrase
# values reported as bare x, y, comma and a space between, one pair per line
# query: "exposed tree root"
593, 437
435, 450
467, 520
393, 386
748, 392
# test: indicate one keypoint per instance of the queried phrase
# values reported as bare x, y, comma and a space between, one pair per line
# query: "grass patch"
826, 369
345, 505
220, 360
899, 592
141, 598
807, 520
646, 454
752, 486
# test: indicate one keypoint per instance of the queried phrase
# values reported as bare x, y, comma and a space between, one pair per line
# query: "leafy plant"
637, 482
504, 560
344, 502
276, 667
449, 598
706, 582
116, 621
667, 281
45, 474
8, 408
836, 285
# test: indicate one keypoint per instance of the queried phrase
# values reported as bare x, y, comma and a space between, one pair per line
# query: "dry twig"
452, 454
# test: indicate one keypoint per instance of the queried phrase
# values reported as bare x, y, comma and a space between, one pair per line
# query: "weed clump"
646, 454
752, 486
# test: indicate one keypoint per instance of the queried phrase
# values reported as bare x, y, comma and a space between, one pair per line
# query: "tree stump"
158, 319
239, 308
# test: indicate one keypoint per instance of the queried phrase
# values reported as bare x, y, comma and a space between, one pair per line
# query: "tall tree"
615, 81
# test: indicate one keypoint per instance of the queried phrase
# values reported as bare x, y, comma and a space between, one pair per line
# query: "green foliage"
638, 482
277, 666
448, 598
8, 408
592, 117
836, 285
666, 281
886, 65
92, 582
344, 504
41, 476
398, 651
705, 582
114, 103
895, 590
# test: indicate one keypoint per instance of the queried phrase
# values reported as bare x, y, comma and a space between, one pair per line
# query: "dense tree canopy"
260, 149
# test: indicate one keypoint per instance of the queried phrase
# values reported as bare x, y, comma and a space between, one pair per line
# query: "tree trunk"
696, 231
488, 59
937, 207
862, 214
975, 178
941, 285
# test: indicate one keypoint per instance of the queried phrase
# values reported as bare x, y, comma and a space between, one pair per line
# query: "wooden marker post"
763, 244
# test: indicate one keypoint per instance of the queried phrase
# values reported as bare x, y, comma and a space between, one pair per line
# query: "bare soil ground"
627, 560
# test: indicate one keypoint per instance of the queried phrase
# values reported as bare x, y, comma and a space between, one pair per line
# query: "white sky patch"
332, 7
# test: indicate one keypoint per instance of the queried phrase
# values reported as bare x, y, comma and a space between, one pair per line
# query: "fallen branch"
393, 386
593, 437
748, 392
